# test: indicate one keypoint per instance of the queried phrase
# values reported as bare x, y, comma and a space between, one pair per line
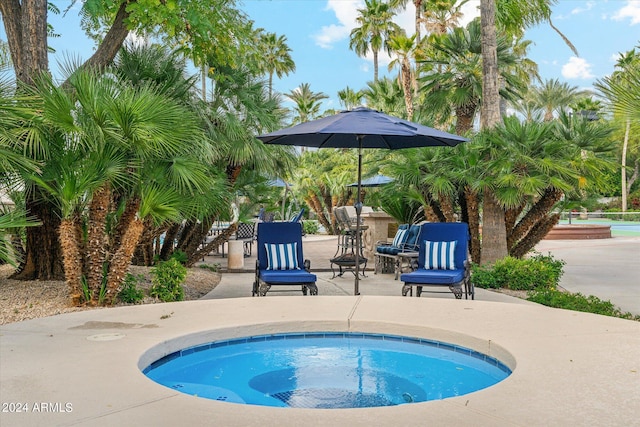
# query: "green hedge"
538, 271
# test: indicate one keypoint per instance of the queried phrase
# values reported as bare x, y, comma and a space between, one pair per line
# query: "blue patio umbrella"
374, 181
361, 128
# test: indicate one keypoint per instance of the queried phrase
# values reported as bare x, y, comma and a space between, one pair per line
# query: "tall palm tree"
307, 103
276, 56
513, 16
403, 48
375, 28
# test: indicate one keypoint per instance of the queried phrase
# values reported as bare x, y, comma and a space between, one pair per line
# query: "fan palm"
106, 138
454, 75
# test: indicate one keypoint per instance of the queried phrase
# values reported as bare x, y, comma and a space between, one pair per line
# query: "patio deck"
569, 368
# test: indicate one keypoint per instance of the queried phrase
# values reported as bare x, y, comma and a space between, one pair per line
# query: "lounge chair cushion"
439, 255
282, 256
287, 276
433, 277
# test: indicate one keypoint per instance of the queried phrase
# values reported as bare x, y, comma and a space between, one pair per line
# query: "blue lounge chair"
443, 260
297, 217
405, 240
280, 259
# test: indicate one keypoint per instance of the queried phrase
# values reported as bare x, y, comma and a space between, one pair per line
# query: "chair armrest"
307, 265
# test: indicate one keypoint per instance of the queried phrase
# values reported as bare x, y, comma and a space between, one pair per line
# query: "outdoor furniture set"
440, 258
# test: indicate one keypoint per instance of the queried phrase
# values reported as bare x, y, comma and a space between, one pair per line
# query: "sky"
317, 32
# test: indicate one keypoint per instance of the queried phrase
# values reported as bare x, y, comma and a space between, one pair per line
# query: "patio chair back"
298, 216
275, 233
412, 239
446, 232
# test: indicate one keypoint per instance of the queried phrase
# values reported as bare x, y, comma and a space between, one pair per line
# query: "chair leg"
407, 289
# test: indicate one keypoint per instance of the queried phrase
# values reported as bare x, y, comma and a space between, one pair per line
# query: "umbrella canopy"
278, 182
374, 181
361, 128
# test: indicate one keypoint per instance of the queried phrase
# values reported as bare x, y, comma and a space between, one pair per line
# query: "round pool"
327, 370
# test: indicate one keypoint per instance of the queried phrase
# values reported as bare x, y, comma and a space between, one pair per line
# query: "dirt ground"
23, 300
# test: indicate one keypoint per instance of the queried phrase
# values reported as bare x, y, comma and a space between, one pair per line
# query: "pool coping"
569, 367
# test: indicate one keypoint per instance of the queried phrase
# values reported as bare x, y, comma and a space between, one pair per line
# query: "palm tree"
622, 90
375, 28
398, 5
554, 96
276, 56
454, 74
350, 98
107, 139
307, 103
385, 95
403, 47
440, 16
513, 17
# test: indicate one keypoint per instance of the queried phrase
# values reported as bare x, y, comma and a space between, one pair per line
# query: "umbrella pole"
356, 290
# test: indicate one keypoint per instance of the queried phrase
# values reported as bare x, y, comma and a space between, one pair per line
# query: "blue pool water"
327, 370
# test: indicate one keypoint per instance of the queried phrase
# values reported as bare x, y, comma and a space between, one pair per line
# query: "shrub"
310, 227
578, 302
130, 292
180, 256
167, 280
538, 271
211, 267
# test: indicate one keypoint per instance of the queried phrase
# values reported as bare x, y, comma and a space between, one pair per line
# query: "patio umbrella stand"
361, 128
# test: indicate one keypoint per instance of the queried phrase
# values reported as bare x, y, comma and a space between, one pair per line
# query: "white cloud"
346, 12
586, 8
577, 68
631, 10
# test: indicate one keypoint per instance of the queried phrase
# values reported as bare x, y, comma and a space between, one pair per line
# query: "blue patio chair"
297, 217
443, 260
280, 260
405, 240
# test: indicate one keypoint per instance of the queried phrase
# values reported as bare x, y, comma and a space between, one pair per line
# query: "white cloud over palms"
577, 68
631, 10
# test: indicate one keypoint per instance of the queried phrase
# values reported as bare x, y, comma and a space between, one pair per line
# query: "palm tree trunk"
539, 213
494, 234
128, 233
375, 66
625, 144
408, 94
72, 259
43, 258
220, 239
121, 260
536, 234
169, 239
96, 237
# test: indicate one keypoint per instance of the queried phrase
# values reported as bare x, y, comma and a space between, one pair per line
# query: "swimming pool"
327, 370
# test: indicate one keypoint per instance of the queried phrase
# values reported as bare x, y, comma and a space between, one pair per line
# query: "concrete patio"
84, 368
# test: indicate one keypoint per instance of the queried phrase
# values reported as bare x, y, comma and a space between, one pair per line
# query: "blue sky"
318, 33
